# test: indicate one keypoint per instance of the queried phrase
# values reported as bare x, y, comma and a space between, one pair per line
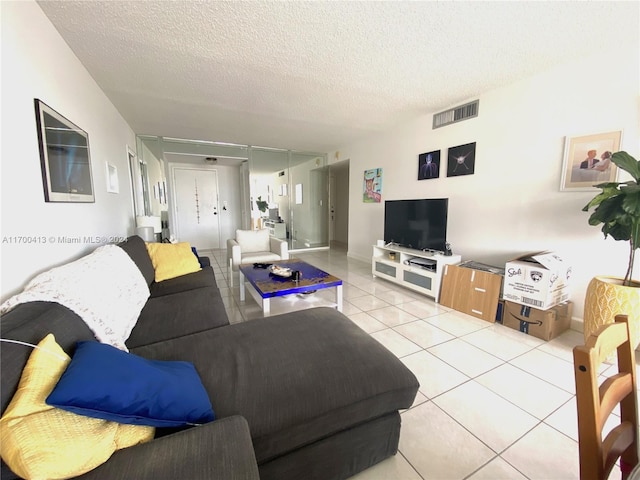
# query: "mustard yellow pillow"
172, 260
40, 441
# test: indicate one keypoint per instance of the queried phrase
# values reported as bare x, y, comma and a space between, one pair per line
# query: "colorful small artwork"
372, 186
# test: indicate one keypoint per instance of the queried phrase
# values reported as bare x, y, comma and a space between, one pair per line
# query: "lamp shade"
146, 233
150, 221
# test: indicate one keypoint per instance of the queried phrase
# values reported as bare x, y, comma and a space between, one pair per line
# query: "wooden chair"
596, 402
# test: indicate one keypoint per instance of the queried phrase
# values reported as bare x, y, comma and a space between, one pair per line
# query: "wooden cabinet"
471, 291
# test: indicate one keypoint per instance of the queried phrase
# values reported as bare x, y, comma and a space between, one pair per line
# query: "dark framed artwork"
64, 157
429, 165
461, 160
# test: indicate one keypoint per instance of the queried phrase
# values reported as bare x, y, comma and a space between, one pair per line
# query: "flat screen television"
418, 224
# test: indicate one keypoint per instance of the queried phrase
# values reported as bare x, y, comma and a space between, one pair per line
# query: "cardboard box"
540, 280
471, 291
544, 324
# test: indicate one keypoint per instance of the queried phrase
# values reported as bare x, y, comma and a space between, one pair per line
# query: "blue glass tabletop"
269, 285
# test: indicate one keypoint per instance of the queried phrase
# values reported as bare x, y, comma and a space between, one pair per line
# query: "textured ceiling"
316, 76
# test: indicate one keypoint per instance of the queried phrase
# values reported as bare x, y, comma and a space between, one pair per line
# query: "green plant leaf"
627, 163
617, 207
618, 231
608, 185
608, 190
607, 212
631, 201
635, 236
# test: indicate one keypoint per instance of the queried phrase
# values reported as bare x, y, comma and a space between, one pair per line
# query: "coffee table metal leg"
241, 281
266, 306
339, 297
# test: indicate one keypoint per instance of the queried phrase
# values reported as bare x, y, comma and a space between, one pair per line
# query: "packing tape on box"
525, 311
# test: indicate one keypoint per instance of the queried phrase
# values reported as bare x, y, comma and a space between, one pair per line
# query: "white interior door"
197, 219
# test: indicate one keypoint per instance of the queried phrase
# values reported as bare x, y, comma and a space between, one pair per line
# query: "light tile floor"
494, 403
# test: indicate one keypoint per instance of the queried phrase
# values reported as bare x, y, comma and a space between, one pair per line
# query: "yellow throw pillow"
172, 260
40, 441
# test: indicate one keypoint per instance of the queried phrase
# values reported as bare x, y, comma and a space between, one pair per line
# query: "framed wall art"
113, 185
372, 186
64, 157
461, 160
298, 196
429, 165
587, 161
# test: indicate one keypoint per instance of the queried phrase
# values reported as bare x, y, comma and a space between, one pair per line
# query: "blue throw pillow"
195, 252
104, 382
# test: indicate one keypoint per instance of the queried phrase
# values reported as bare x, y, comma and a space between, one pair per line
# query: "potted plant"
261, 204
617, 209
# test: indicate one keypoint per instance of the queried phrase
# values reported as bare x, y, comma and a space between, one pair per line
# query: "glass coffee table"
264, 285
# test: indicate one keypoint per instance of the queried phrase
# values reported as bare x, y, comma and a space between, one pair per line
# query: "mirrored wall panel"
257, 187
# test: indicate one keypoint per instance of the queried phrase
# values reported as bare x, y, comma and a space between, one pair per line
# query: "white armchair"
253, 246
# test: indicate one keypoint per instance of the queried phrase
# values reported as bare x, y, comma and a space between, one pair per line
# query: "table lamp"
148, 227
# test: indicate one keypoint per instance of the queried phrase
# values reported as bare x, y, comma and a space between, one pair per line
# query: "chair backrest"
596, 402
253, 240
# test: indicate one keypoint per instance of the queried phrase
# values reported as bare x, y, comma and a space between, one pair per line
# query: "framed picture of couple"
587, 161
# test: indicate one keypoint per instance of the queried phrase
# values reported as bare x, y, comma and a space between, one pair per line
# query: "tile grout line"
538, 421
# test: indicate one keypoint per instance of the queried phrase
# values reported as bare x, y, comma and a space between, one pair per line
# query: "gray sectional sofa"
304, 395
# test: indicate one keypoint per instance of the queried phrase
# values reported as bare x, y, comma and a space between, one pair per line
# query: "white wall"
37, 63
512, 204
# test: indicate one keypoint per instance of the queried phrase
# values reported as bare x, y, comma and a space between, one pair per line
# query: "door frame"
140, 205
173, 213
343, 208
332, 206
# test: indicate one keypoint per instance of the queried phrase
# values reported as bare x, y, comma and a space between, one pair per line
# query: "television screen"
418, 224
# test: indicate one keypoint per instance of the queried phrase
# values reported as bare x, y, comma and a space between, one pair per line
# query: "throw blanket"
105, 288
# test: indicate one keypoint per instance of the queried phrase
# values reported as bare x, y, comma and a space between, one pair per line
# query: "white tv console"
276, 229
391, 263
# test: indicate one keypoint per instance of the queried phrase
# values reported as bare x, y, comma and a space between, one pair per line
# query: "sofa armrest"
281, 247
234, 253
204, 262
220, 449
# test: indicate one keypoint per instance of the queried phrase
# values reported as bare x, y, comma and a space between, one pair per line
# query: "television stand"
276, 229
417, 270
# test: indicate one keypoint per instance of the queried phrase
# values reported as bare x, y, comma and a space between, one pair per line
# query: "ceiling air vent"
456, 114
